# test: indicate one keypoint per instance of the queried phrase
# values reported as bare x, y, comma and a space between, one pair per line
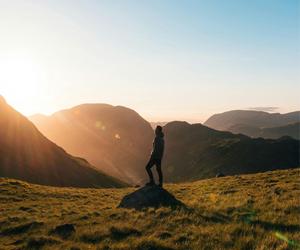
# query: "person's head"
158, 130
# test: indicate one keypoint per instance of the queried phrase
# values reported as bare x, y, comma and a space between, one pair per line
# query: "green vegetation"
258, 211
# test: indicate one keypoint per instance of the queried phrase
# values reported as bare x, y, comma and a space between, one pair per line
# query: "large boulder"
149, 196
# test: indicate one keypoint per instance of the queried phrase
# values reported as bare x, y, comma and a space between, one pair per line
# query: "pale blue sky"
167, 59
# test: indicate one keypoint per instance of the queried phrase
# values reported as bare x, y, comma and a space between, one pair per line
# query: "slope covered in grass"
258, 211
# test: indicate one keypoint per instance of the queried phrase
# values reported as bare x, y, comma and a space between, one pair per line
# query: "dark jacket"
158, 147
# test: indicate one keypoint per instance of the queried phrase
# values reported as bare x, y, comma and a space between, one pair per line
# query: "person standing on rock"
156, 156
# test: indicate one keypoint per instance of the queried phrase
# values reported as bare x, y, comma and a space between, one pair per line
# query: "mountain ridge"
28, 155
252, 123
202, 150
116, 139
205, 152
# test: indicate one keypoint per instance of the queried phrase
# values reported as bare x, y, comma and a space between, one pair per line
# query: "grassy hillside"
258, 211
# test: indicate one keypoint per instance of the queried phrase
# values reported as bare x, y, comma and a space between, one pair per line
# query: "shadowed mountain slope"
26, 154
204, 152
253, 123
115, 139
118, 141
291, 130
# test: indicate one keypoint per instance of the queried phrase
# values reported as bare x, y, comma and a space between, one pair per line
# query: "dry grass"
259, 211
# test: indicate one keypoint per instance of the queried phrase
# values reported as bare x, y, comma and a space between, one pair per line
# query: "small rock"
164, 235
64, 231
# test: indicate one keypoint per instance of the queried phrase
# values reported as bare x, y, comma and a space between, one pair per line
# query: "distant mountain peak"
255, 123
115, 139
178, 124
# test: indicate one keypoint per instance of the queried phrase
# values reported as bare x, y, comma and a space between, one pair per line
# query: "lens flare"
286, 239
99, 125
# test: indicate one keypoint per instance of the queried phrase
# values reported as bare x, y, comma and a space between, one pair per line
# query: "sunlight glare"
20, 81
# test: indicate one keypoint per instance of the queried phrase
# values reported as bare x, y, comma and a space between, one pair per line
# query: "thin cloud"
265, 109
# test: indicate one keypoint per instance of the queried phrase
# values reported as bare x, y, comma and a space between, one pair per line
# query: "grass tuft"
20, 229
40, 242
120, 233
93, 237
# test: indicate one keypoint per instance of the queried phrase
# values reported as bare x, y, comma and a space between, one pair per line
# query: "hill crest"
27, 154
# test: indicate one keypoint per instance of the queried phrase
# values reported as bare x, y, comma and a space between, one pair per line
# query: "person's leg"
160, 174
148, 169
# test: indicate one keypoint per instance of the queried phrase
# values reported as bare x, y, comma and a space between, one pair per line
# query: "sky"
166, 59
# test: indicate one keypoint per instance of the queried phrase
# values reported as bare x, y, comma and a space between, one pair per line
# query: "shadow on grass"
41, 242
93, 238
20, 229
122, 233
64, 231
249, 218
276, 226
217, 218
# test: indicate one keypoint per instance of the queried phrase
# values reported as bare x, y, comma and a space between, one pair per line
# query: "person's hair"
159, 128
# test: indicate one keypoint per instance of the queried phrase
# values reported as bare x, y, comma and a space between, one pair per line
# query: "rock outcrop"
150, 196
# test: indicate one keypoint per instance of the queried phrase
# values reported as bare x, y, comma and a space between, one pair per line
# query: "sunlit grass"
242, 212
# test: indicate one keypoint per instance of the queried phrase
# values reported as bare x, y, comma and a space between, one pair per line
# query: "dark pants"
157, 163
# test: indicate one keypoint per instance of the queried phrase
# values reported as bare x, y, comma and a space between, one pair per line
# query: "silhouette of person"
156, 156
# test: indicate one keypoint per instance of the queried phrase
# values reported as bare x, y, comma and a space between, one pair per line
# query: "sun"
20, 81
